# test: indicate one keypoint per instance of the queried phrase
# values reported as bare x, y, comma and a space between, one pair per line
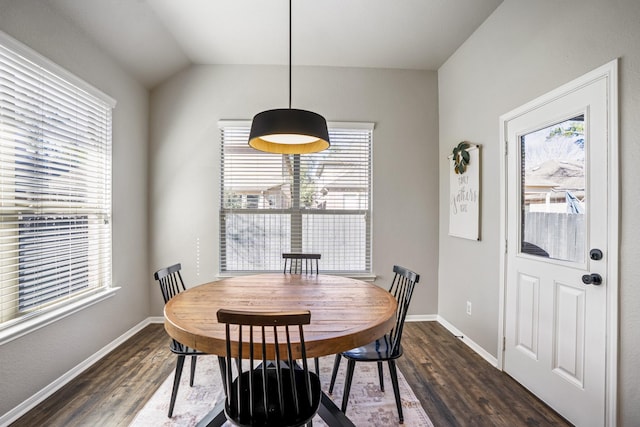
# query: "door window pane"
553, 191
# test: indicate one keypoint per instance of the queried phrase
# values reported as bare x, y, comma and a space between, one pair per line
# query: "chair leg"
223, 372
380, 376
176, 384
334, 374
193, 370
347, 385
396, 388
317, 362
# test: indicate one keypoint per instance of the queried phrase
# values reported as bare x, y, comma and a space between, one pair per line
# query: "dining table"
345, 313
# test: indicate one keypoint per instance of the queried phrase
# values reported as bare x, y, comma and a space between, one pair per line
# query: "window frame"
295, 211
17, 326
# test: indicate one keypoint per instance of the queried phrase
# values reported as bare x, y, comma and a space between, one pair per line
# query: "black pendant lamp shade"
289, 131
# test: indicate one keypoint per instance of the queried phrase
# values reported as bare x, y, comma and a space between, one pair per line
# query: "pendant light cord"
289, 54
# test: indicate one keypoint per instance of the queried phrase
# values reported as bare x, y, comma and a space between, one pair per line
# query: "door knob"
592, 279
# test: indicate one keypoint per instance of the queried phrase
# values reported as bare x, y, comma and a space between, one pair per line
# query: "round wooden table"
345, 313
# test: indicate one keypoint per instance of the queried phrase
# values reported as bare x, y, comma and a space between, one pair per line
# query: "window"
55, 186
272, 203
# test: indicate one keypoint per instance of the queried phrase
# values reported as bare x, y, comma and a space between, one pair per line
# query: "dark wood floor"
455, 385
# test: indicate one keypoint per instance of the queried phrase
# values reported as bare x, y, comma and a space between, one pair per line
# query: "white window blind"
55, 186
318, 203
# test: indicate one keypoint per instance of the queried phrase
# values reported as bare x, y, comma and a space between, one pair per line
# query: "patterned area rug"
368, 406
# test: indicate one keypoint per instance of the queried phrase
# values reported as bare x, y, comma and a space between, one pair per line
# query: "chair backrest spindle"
305, 366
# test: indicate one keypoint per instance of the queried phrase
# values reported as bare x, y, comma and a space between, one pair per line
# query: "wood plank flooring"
455, 385
110, 392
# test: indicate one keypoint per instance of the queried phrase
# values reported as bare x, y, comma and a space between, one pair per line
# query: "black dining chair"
301, 263
271, 388
171, 284
386, 348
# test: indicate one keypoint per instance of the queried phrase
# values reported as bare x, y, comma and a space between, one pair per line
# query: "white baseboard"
47, 391
468, 341
422, 318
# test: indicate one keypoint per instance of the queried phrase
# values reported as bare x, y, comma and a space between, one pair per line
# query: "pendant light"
289, 130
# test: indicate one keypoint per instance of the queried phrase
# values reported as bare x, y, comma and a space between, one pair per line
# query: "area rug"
368, 406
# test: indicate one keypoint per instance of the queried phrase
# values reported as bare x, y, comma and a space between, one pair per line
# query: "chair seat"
377, 351
272, 416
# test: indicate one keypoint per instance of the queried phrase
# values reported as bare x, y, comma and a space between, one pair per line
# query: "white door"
558, 255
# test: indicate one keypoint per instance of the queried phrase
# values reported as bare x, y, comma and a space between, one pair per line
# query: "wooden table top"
345, 313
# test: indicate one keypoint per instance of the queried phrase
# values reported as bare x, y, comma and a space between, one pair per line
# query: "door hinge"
504, 343
506, 148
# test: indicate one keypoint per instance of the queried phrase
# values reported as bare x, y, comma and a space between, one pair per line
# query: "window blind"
272, 203
55, 187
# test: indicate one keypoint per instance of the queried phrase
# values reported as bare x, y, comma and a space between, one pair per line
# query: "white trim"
47, 391
610, 72
611, 404
422, 318
351, 125
47, 64
234, 123
24, 327
242, 123
502, 242
469, 342
156, 319
363, 277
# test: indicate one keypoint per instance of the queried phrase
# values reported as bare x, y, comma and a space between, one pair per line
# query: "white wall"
185, 160
30, 363
525, 49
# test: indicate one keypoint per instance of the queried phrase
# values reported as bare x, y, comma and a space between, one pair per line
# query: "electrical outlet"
469, 308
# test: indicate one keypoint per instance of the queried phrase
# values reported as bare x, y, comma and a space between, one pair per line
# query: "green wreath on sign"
461, 157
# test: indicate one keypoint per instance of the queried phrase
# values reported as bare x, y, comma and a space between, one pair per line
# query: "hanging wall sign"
464, 191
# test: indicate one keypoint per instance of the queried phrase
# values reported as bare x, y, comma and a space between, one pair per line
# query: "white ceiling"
153, 39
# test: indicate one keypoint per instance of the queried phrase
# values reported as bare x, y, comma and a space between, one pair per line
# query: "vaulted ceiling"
153, 39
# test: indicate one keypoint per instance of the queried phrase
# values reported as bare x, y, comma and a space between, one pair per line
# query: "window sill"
365, 277
26, 326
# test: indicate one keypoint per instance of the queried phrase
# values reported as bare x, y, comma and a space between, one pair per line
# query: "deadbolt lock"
595, 254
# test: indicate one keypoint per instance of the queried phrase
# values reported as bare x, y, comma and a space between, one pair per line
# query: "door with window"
558, 254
